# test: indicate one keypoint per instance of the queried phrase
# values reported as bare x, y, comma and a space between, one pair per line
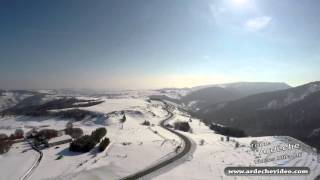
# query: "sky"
145, 44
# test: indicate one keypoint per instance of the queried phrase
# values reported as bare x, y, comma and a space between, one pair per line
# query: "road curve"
186, 149
35, 165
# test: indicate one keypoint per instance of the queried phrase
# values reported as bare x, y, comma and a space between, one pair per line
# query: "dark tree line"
182, 126
5, 143
83, 144
76, 114
87, 142
227, 131
104, 144
74, 132
47, 133
98, 134
43, 109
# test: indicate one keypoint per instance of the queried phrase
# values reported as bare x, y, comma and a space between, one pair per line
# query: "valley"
137, 149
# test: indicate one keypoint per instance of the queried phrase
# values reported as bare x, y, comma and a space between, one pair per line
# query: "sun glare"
240, 2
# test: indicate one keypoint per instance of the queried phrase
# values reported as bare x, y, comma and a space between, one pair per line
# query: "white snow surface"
135, 147
210, 159
15, 163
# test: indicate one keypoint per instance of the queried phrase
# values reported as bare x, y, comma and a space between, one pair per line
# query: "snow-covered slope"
202, 97
15, 163
211, 155
10, 98
132, 148
135, 147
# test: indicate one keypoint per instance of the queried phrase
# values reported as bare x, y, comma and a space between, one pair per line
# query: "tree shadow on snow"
67, 152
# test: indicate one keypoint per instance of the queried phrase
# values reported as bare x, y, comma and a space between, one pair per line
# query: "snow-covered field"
10, 123
144, 148
15, 163
211, 157
135, 147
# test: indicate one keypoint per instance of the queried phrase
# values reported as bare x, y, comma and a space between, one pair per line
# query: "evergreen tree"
83, 144
98, 134
104, 144
123, 120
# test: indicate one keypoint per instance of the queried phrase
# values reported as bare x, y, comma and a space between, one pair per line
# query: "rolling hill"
293, 112
204, 96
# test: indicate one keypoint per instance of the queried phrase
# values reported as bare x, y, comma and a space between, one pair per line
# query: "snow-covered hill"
132, 147
212, 155
135, 147
15, 163
10, 98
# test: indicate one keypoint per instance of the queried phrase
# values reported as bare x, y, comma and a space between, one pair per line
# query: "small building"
61, 132
59, 140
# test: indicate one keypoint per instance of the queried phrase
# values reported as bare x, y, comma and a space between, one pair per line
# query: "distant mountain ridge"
293, 112
203, 96
13, 97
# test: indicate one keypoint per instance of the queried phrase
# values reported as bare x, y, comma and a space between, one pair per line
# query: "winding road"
186, 149
35, 165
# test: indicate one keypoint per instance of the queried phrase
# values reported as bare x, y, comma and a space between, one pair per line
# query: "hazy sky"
157, 43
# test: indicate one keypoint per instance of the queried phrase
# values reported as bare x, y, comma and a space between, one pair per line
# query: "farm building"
59, 140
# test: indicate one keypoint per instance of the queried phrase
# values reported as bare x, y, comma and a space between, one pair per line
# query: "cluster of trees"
76, 114
146, 123
73, 132
182, 126
83, 144
5, 143
227, 131
32, 133
47, 133
68, 103
41, 137
104, 144
43, 109
87, 142
18, 134
98, 134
